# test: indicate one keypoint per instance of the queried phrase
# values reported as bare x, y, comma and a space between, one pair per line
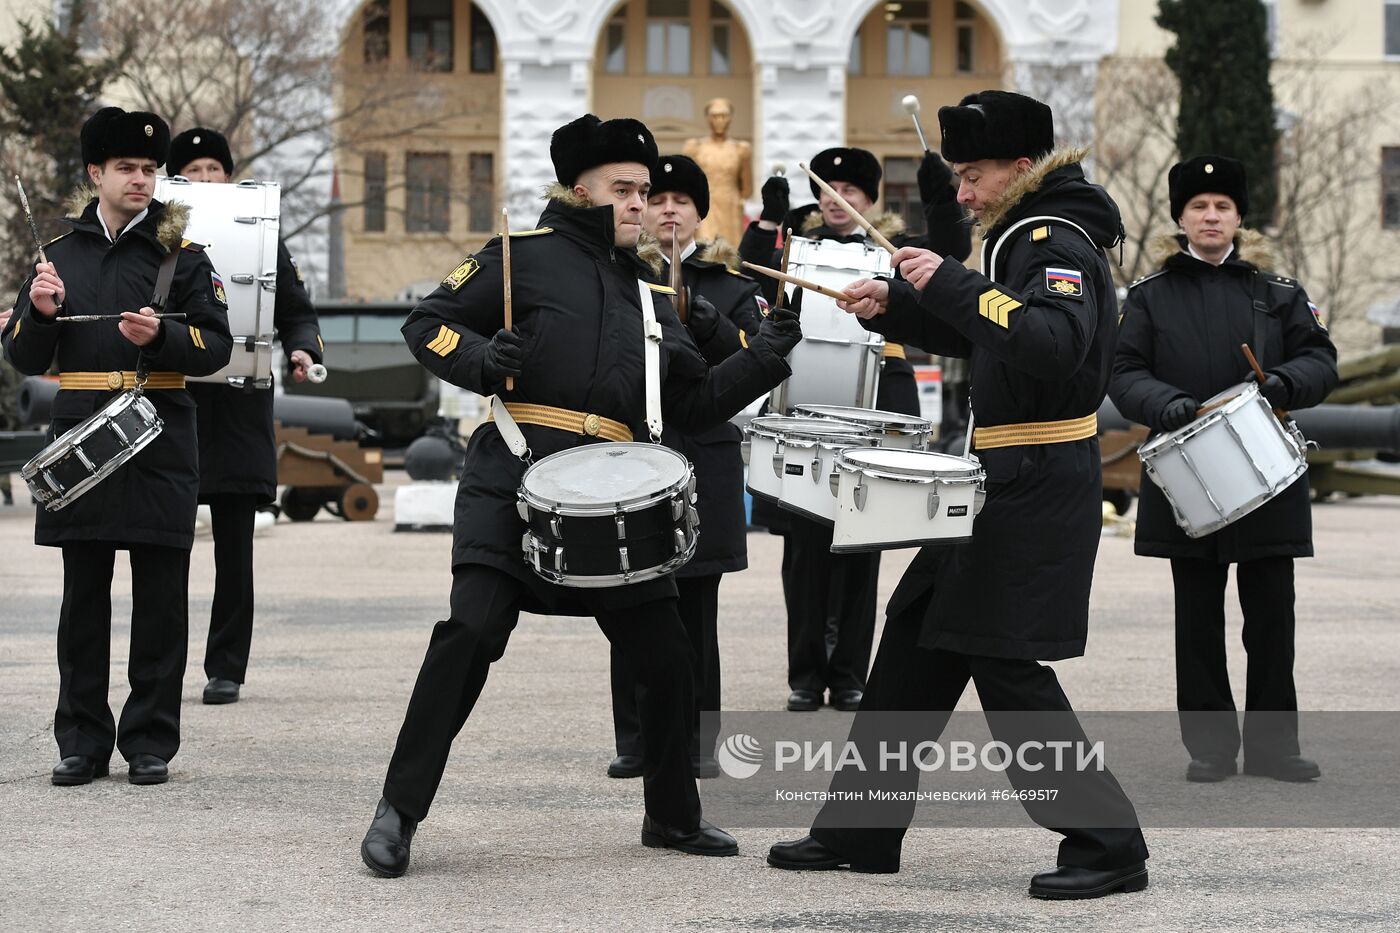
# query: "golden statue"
728, 166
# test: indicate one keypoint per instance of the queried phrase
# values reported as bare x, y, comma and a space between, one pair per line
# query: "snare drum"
609, 514
1226, 463
837, 361
767, 443
891, 429
809, 462
92, 451
238, 225
892, 498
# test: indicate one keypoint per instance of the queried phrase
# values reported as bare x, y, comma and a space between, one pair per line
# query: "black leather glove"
793, 302
776, 199
781, 330
505, 356
1179, 412
703, 320
1275, 390
936, 180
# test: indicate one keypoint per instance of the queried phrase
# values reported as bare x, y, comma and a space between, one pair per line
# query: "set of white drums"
867, 473
1228, 462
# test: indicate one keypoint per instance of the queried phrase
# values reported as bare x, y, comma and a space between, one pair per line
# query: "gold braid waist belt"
1036, 432
114, 380
564, 419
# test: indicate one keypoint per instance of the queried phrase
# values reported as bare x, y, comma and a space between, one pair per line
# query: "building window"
428, 208
1392, 28
375, 177
615, 46
483, 43
721, 62
966, 18
430, 34
376, 26
902, 192
1390, 187
853, 63
907, 47
668, 37
481, 192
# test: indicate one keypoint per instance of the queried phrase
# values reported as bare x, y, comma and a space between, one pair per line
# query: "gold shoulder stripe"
1040, 233
661, 289
536, 232
57, 238
14, 335
996, 307
743, 339
197, 338
320, 343
192, 246
445, 342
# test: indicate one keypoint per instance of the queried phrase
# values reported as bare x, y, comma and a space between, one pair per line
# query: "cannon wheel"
359, 503
301, 505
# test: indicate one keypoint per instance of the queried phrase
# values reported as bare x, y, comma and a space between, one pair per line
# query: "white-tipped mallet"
911, 107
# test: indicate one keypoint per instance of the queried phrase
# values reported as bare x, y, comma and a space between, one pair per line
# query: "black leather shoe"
703, 840
78, 769
1294, 768
807, 854
219, 691
147, 769
1071, 883
804, 701
625, 766
846, 700
1210, 770
704, 766
386, 846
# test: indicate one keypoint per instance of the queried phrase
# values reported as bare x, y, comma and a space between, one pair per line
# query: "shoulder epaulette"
661, 289
1147, 278
1282, 281
192, 246
537, 232
57, 238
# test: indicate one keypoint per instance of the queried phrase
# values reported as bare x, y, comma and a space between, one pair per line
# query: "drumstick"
911, 107
89, 318
1259, 374
794, 280
29, 216
316, 372
783, 267
505, 274
845, 205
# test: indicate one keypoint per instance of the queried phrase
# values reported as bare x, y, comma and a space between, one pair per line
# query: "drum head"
603, 475
907, 462
884, 420
1232, 393
785, 426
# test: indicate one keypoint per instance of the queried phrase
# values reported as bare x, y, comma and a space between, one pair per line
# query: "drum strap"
1261, 317
651, 331
164, 277
510, 431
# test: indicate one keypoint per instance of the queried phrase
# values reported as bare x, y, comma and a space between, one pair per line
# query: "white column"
802, 110
537, 99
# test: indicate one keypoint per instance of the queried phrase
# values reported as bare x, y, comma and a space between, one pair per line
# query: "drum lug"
833, 482
859, 493
556, 527
979, 499
682, 541
622, 560
621, 521
816, 469
778, 462
678, 506
522, 509
559, 560
933, 505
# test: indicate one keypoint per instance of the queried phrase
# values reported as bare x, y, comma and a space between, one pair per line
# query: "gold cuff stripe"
112, 381
445, 342
564, 419
996, 306
894, 351
1036, 432
743, 340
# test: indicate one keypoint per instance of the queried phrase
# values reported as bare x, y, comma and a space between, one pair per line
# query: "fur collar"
889, 225
1029, 183
648, 247
1251, 246
174, 216
719, 251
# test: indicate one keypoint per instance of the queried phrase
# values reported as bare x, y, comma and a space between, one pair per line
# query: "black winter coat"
719, 466
1180, 336
575, 296
1038, 351
237, 450
150, 499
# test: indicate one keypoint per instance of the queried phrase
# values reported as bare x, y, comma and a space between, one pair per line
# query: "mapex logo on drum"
740, 756
957, 511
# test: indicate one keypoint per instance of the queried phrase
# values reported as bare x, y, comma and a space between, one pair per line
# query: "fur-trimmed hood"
1251, 246
1055, 186
1029, 183
648, 247
720, 251
172, 216
890, 225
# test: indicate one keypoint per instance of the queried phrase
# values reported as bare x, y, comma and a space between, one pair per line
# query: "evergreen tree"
48, 87
1221, 57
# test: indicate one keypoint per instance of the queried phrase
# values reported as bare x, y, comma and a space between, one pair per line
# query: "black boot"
1210, 770
625, 766
386, 846
78, 769
1071, 883
703, 840
219, 691
807, 854
1293, 768
147, 769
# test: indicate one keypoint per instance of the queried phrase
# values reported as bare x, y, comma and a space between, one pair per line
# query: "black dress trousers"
231, 616
1209, 727
699, 609
909, 678
485, 608
150, 719
830, 609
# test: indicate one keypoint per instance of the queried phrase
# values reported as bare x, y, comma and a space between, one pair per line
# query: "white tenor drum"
891, 498
809, 461
837, 361
92, 451
891, 429
1227, 462
609, 514
238, 226
768, 439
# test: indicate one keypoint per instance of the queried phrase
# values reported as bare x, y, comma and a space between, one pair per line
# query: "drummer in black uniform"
725, 310
831, 598
1039, 328
1182, 327
108, 263
576, 355
237, 454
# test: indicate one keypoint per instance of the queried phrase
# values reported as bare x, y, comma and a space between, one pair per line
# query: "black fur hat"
996, 125
858, 167
112, 132
200, 142
1214, 173
588, 142
681, 173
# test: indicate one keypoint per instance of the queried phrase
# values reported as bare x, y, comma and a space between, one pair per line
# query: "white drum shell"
50, 491
878, 510
238, 226
767, 443
808, 465
1226, 463
838, 361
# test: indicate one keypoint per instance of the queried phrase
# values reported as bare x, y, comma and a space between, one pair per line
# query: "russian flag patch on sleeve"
1067, 282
